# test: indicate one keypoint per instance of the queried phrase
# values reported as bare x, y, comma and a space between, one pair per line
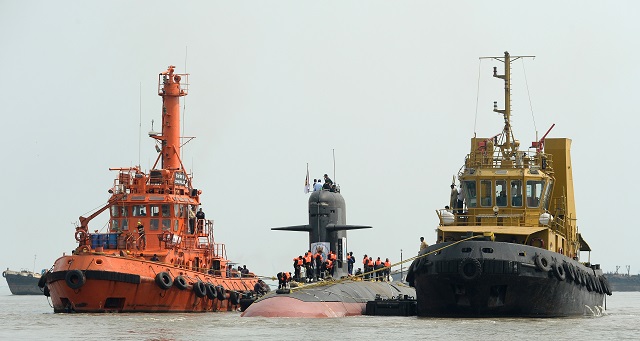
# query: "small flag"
306, 182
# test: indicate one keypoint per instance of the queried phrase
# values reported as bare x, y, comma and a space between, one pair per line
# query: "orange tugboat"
159, 256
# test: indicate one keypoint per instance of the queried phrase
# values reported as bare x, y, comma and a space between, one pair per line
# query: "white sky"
391, 86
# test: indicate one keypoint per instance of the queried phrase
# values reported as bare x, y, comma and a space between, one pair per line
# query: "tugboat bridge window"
166, 224
165, 211
534, 191
485, 193
139, 211
470, 193
155, 211
501, 193
516, 193
154, 224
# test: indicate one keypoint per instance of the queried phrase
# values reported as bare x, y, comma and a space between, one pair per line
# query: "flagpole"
334, 165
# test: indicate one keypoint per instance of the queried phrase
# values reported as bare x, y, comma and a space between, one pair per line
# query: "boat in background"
158, 255
342, 295
623, 281
23, 282
511, 246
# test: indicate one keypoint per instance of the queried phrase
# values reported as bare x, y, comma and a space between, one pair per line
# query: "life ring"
234, 297
211, 291
542, 263
470, 269
75, 279
558, 270
80, 235
221, 293
537, 240
199, 289
180, 282
163, 280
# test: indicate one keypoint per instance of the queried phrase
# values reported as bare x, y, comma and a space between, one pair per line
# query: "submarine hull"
484, 278
318, 300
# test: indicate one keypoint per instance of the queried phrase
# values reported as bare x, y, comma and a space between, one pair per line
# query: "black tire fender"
470, 269
542, 263
199, 289
558, 270
211, 291
163, 280
221, 294
75, 279
180, 282
234, 297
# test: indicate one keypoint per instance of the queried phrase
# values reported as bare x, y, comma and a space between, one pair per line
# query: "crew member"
370, 264
377, 265
365, 265
350, 262
334, 258
200, 220
387, 270
308, 265
297, 264
142, 240
318, 259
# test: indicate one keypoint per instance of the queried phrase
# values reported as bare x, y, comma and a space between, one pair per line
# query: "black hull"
23, 285
491, 279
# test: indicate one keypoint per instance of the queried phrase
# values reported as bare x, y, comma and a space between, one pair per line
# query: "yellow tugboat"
508, 244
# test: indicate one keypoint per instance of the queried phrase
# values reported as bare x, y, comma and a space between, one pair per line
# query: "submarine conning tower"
327, 225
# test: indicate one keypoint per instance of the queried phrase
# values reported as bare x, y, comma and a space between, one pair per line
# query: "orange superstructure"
158, 255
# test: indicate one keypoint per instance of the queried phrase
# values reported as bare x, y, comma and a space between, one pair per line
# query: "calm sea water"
31, 318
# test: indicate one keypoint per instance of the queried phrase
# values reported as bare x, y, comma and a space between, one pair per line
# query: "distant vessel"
23, 282
623, 282
345, 296
159, 256
513, 248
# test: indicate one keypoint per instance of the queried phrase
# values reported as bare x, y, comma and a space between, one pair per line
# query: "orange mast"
169, 89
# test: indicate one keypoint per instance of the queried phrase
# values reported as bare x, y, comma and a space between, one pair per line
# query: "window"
114, 211
485, 193
139, 211
534, 191
516, 193
470, 193
125, 224
175, 225
166, 212
501, 193
154, 224
166, 224
547, 195
155, 211
114, 225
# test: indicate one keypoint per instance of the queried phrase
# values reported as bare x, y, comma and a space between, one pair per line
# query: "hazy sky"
391, 86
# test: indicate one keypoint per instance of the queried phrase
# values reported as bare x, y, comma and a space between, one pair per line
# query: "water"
31, 318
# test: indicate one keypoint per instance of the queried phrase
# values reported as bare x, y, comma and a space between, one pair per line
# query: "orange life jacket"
333, 256
329, 264
378, 262
387, 264
365, 261
307, 258
299, 261
370, 262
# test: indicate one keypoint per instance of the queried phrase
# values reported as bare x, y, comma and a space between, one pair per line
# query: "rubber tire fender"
211, 291
542, 263
470, 269
43, 280
180, 282
221, 293
567, 270
234, 297
558, 270
163, 280
199, 289
75, 279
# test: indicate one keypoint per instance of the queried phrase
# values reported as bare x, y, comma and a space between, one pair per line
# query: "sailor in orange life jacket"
371, 265
365, 265
328, 266
297, 264
318, 259
333, 257
308, 264
377, 265
387, 271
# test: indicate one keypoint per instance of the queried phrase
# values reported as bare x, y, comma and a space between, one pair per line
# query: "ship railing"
482, 159
448, 217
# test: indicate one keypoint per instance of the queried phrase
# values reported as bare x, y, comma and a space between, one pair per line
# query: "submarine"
343, 295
